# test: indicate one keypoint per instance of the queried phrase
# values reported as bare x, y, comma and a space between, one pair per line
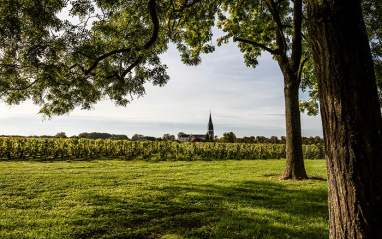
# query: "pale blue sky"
246, 101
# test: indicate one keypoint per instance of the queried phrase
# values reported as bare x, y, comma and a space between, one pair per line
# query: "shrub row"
58, 149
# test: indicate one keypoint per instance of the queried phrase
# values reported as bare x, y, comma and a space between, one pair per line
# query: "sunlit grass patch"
200, 199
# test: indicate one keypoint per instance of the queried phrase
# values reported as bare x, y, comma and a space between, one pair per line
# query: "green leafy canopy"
110, 52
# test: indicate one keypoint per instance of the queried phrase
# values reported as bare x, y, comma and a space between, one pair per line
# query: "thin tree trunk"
289, 60
294, 168
351, 117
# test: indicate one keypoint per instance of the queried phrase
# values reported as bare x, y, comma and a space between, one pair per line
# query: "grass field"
134, 199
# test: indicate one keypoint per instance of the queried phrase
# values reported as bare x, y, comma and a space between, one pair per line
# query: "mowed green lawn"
134, 199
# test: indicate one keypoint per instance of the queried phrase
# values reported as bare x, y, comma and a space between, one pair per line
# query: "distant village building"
192, 137
199, 137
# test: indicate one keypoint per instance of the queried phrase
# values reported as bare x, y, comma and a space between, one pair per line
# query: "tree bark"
294, 168
351, 117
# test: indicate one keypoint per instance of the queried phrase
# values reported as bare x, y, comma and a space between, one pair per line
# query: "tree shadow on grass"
249, 209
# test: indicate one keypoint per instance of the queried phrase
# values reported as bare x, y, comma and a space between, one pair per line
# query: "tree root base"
293, 177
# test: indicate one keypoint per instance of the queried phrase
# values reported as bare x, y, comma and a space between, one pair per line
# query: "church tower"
210, 129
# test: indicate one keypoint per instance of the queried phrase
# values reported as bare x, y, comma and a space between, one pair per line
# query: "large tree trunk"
351, 117
294, 168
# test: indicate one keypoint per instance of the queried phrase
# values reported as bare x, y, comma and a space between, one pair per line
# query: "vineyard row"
59, 149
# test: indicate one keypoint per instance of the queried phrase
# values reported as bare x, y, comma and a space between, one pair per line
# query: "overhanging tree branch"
153, 38
20, 88
272, 7
262, 46
132, 66
301, 66
99, 59
155, 20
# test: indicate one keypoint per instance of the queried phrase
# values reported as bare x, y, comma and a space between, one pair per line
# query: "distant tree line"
140, 137
165, 137
92, 135
230, 137
97, 135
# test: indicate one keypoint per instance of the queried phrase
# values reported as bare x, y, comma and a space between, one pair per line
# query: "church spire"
210, 129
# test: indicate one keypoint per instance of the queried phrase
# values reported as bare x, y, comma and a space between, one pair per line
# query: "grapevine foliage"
60, 149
